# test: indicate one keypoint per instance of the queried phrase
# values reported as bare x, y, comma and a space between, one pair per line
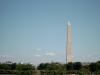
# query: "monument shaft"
69, 43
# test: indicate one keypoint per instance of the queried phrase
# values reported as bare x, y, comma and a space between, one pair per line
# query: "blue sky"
34, 31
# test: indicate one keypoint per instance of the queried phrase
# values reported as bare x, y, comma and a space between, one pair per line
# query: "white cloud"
38, 49
50, 54
37, 55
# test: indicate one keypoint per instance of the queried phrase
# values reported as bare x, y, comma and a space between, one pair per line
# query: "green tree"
98, 61
25, 67
98, 66
13, 66
92, 67
77, 65
50, 66
5, 66
43, 66
70, 66
40, 67
55, 66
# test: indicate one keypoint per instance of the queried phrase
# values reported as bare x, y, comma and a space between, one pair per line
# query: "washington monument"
69, 43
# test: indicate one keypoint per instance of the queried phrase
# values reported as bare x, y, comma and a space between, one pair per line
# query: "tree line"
16, 68
53, 67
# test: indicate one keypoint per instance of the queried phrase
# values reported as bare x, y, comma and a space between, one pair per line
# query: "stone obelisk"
69, 42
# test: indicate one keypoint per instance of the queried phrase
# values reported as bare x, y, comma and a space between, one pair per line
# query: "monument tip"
69, 23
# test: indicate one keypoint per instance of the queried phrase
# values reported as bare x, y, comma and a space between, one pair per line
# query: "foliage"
92, 67
50, 66
70, 66
14, 68
24, 67
98, 65
77, 65
5, 66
